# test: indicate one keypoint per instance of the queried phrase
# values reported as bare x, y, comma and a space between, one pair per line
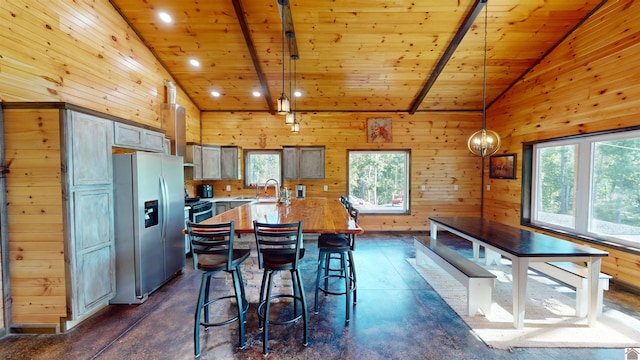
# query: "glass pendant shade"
290, 118
484, 143
295, 127
283, 105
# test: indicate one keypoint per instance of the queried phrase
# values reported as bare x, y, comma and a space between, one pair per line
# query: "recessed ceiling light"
194, 62
165, 17
297, 93
256, 94
215, 94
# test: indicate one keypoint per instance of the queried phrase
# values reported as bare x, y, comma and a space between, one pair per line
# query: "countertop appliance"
149, 218
205, 191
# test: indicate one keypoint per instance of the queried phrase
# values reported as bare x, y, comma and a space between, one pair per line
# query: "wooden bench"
478, 281
574, 275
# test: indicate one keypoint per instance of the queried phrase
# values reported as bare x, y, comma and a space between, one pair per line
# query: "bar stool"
342, 245
213, 244
279, 248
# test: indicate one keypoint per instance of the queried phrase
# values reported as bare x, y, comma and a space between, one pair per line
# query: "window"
262, 165
587, 186
378, 181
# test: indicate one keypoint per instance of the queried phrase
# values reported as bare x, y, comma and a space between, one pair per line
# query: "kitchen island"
319, 215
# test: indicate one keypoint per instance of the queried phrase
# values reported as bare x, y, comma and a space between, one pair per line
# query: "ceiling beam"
237, 5
448, 53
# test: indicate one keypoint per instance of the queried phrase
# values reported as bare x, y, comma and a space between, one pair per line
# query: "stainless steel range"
200, 210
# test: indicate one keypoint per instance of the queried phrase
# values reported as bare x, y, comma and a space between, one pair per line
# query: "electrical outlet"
326, 188
228, 187
423, 187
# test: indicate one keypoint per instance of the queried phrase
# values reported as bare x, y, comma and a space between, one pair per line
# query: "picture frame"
379, 130
502, 166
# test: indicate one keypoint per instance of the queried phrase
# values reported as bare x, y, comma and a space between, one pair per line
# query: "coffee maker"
205, 191
301, 191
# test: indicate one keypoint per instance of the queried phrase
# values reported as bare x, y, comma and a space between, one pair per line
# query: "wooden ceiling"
354, 55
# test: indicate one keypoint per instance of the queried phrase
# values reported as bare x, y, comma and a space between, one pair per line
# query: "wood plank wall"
35, 218
591, 82
80, 52
439, 156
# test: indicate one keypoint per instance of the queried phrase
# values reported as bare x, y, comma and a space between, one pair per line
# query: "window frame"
246, 158
584, 187
406, 206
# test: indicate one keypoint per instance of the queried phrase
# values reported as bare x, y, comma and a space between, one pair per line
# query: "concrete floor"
398, 316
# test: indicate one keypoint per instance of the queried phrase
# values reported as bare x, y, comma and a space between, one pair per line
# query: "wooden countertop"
319, 215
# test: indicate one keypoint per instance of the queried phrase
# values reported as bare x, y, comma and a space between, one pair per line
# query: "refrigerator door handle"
165, 205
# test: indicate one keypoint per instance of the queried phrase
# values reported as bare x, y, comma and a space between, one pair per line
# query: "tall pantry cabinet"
60, 214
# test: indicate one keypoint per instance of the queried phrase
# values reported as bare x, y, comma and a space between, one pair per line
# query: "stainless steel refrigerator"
149, 214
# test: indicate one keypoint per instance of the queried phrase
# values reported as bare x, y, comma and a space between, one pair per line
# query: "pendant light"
484, 142
295, 125
283, 101
290, 118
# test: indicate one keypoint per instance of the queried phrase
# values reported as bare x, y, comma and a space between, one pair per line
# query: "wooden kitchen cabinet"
229, 163
138, 138
193, 162
90, 244
203, 162
211, 169
303, 162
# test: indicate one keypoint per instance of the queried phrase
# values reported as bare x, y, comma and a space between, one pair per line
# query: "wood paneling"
34, 216
591, 82
439, 156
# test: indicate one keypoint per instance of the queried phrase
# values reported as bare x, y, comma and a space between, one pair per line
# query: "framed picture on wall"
502, 166
379, 130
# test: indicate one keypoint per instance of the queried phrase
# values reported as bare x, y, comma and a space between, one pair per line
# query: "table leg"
433, 233
593, 266
519, 268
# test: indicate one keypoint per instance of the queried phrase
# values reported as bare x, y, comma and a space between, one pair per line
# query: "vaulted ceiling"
354, 55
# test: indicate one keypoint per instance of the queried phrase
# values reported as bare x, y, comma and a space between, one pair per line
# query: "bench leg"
479, 296
582, 297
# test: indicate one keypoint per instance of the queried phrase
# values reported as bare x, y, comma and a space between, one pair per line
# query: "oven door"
202, 215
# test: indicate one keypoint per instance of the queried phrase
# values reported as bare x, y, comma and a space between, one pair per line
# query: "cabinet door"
211, 163
290, 162
193, 157
229, 162
221, 206
311, 163
94, 248
90, 142
153, 140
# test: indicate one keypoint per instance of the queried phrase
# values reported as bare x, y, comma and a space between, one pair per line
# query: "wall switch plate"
423, 187
488, 187
455, 187
228, 187
326, 188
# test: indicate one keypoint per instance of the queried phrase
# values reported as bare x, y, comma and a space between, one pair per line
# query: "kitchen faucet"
277, 187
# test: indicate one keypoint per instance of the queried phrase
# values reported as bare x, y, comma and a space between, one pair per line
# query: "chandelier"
484, 142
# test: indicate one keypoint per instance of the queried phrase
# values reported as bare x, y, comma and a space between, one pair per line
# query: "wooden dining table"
319, 216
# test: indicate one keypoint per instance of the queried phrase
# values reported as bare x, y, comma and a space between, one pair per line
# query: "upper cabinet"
193, 162
211, 162
229, 163
138, 138
303, 162
203, 162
